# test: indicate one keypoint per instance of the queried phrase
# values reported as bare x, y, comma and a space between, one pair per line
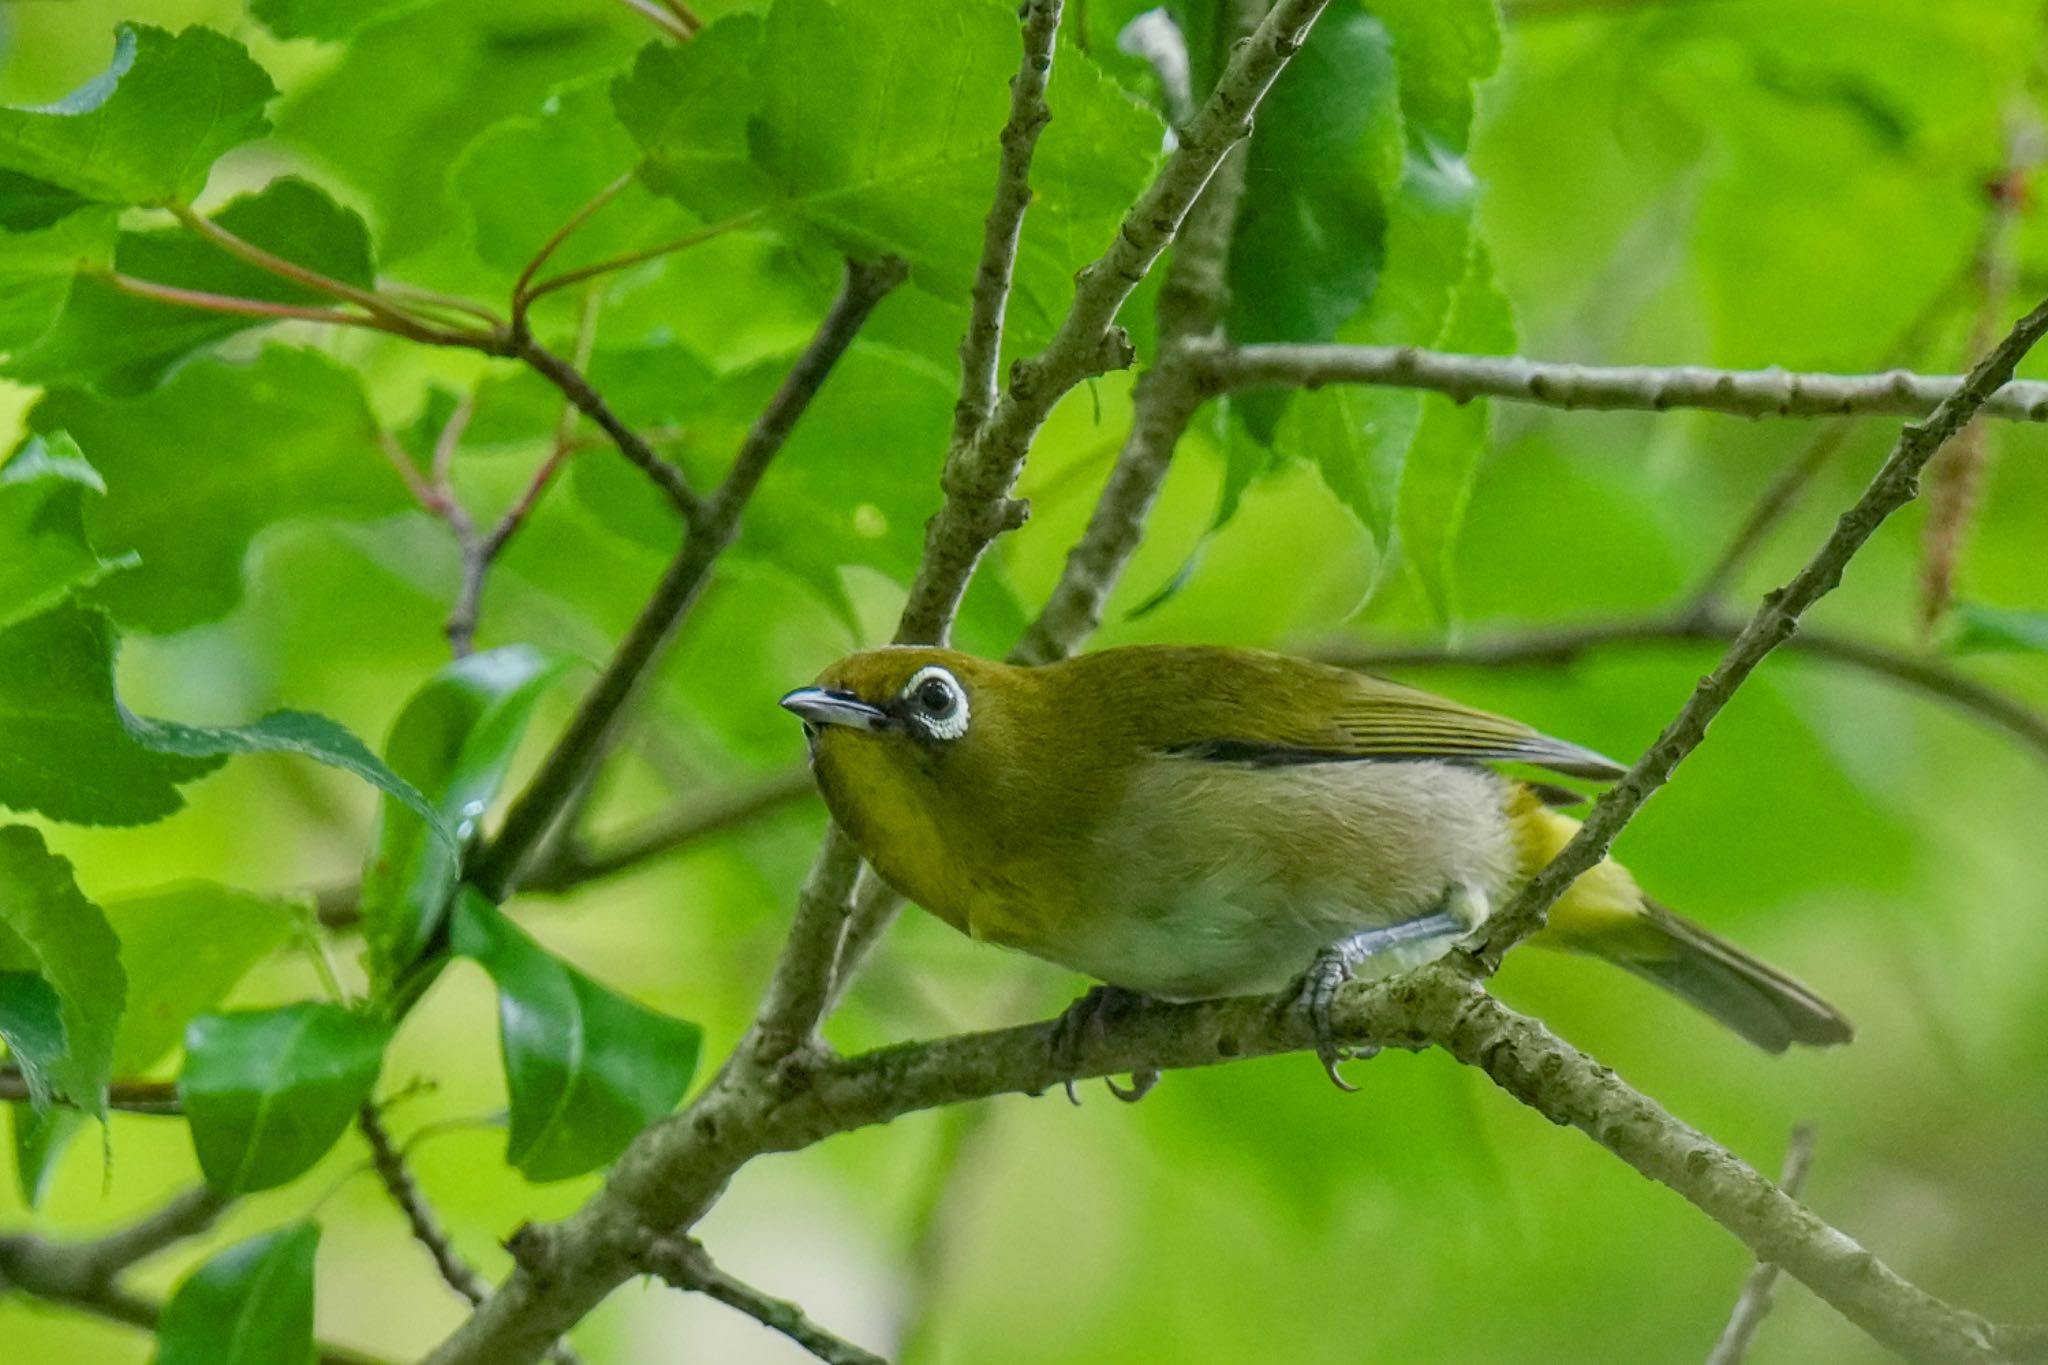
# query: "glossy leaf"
32, 1027
148, 128
49, 930
106, 338
43, 492
454, 741
586, 1068
1982, 630
71, 751
249, 1305
184, 947
267, 1092
195, 470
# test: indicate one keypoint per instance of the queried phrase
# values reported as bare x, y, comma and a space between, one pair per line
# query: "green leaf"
1324, 157
66, 749
38, 269
269, 1091
415, 87
250, 1305
109, 339
1981, 630
769, 115
197, 468
329, 20
43, 492
184, 947
1436, 481
454, 741
32, 1027
148, 128
523, 178
587, 1069
39, 1141
49, 928
70, 750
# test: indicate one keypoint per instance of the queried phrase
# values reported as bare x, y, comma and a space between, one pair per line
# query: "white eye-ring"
936, 702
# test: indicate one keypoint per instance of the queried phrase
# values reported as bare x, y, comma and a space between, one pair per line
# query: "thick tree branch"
682, 1262
1760, 1288
1774, 623
581, 746
1745, 393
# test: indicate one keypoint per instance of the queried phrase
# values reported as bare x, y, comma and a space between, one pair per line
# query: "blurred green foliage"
1736, 182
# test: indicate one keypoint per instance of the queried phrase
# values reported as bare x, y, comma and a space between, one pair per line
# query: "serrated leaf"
267, 1092
414, 87
109, 339
49, 928
586, 1068
39, 266
1436, 480
768, 115
1981, 630
197, 468
455, 741
249, 1305
184, 947
39, 1142
44, 552
32, 1027
148, 128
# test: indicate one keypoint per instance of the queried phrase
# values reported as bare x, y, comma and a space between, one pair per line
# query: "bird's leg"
1334, 965
1082, 1022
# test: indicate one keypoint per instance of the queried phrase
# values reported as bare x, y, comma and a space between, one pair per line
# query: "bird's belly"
1220, 879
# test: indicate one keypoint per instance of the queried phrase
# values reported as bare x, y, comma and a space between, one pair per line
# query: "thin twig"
1758, 1290
643, 255
412, 330
248, 252
1744, 393
579, 748
695, 819
130, 1097
419, 1215
682, 1262
1775, 621
981, 344
521, 345
1562, 645
522, 294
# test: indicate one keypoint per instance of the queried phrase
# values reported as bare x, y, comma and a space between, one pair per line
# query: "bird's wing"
1332, 715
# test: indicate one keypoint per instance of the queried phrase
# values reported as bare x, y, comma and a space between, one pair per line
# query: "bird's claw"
1318, 990
1083, 1022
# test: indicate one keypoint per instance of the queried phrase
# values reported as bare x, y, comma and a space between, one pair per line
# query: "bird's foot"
1083, 1022
1313, 997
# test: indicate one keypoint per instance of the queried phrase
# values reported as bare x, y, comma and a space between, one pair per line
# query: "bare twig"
682, 1262
130, 1097
419, 1215
981, 344
1563, 645
583, 743
573, 866
1754, 1304
1745, 393
1775, 621
1956, 475
569, 379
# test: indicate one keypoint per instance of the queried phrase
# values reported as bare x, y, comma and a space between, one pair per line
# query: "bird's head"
917, 702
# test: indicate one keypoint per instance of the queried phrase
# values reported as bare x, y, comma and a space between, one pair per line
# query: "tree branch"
583, 743
1775, 621
130, 1097
981, 344
1566, 644
682, 1262
1745, 393
572, 866
1754, 1304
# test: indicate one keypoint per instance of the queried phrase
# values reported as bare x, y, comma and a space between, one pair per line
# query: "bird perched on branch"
1189, 822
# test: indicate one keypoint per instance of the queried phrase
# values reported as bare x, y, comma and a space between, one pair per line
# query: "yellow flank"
1604, 910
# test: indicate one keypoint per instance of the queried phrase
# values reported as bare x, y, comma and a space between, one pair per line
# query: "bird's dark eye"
935, 695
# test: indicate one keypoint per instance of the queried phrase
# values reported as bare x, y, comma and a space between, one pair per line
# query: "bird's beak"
820, 706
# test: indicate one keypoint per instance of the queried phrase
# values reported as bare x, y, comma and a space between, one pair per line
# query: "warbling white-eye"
1188, 822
